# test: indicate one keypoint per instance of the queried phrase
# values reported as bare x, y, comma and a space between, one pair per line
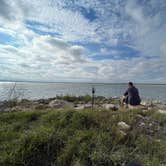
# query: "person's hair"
130, 83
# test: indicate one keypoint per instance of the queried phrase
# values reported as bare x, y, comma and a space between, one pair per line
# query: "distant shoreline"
49, 82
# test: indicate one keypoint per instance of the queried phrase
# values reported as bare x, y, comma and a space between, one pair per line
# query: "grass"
73, 138
75, 99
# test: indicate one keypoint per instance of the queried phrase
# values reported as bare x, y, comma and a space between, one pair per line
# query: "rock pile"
101, 103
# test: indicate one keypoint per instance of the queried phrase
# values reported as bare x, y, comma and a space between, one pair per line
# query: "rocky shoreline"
77, 103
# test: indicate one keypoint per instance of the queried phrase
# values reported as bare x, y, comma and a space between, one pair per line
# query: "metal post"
93, 97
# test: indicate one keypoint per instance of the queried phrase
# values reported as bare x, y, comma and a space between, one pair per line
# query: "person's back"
132, 95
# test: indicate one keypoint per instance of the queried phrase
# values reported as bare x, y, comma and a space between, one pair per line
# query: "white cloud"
42, 56
39, 57
39, 63
148, 33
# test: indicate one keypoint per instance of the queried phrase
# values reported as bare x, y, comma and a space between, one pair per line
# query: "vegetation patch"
67, 137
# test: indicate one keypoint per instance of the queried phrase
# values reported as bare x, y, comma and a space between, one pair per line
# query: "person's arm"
126, 93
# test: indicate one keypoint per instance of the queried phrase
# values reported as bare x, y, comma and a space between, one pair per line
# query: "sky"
83, 41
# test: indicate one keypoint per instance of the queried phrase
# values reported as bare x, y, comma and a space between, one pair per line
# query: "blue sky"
82, 40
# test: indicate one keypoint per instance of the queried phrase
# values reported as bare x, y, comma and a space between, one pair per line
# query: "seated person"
131, 96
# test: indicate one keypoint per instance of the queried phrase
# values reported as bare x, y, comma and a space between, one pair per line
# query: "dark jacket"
132, 95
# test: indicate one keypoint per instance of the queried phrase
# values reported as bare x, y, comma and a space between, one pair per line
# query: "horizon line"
30, 81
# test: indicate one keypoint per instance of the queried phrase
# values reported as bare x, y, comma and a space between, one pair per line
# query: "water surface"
45, 90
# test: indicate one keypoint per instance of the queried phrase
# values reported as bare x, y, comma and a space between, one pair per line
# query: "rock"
162, 111
133, 106
150, 124
146, 103
158, 140
43, 101
122, 133
87, 106
145, 111
160, 106
123, 126
156, 102
27, 103
2, 104
80, 107
115, 97
83, 106
7, 109
23, 101
59, 104
16, 108
142, 124
110, 107
41, 106
149, 109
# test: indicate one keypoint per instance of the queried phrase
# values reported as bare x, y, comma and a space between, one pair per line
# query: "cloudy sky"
83, 40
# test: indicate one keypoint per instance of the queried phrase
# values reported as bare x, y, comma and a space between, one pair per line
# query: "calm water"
46, 90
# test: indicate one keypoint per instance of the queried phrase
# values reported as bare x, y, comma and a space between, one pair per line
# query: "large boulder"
60, 104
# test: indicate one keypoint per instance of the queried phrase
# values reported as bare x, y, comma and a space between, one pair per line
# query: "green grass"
67, 137
75, 99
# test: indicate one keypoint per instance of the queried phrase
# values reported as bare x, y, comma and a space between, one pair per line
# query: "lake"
31, 90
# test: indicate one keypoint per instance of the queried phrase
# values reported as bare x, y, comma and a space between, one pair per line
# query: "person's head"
130, 84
